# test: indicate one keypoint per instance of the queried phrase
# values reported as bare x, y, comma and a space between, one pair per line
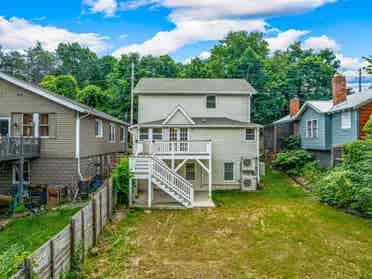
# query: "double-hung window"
28, 125
250, 134
157, 134
99, 128
228, 172
312, 128
122, 134
346, 120
190, 171
44, 125
112, 134
26, 173
211, 102
144, 134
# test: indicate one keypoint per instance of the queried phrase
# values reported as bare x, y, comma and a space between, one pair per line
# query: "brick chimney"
294, 106
339, 89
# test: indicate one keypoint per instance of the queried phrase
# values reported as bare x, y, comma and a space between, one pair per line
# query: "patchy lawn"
279, 232
31, 232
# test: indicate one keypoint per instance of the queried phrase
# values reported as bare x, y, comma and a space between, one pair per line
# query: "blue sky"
189, 28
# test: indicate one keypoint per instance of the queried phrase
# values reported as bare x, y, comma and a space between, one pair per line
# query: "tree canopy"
104, 82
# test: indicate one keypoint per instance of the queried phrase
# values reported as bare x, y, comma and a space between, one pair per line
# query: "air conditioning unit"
249, 183
248, 164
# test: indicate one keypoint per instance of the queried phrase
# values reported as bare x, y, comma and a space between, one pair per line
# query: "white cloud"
123, 36
19, 34
350, 66
108, 7
319, 43
188, 32
202, 56
203, 20
284, 39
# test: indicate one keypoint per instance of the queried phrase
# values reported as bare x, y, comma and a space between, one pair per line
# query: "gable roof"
208, 122
59, 99
194, 86
182, 111
355, 100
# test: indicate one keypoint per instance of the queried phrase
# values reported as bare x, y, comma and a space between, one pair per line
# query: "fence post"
73, 238
28, 268
94, 209
83, 233
100, 213
52, 259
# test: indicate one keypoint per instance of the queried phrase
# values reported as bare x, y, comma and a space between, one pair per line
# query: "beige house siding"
155, 107
5, 178
17, 100
92, 145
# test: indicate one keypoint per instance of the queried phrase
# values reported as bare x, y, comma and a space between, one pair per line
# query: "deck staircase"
152, 168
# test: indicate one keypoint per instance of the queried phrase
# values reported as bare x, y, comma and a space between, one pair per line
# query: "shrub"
292, 162
292, 143
10, 259
121, 176
368, 127
355, 152
312, 171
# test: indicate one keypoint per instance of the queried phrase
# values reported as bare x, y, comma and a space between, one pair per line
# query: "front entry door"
4, 127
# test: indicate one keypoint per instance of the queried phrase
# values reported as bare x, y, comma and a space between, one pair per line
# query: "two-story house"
59, 140
193, 136
322, 125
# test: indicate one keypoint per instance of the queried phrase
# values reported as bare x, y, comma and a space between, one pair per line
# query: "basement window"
229, 171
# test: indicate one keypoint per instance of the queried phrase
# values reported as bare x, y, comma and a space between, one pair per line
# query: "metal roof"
354, 101
193, 86
59, 99
205, 122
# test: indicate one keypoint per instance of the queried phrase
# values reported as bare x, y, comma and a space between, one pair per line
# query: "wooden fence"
54, 257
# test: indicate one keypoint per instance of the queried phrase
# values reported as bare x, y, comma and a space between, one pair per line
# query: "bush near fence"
53, 258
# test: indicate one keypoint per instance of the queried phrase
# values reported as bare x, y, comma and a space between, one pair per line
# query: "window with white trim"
211, 102
99, 128
312, 128
4, 127
26, 173
44, 125
112, 134
228, 171
190, 171
157, 134
144, 134
122, 134
346, 120
250, 134
315, 128
28, 125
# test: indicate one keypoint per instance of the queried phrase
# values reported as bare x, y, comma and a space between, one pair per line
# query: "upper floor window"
157, 134
312, 128
144, 134
346, 120
28, 125
211, 102
250, 134
122, 134
99, 128
44, 125
112, 134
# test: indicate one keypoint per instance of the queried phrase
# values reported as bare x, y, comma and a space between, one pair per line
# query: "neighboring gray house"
64, 141
193, 136
325, 124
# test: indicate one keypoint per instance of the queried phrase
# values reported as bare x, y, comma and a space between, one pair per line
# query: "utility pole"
132, 96
360, 80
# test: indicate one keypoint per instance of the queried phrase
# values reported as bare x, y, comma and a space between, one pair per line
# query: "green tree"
369, 65
79, 62
65, 85
93, 96
197, 68
14, 64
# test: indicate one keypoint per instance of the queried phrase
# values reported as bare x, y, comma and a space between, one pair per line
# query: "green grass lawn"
278, 232
32, 231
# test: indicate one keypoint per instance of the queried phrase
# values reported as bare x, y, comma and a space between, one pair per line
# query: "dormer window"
211, 102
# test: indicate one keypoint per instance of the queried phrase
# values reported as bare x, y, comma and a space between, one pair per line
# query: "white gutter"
77, 144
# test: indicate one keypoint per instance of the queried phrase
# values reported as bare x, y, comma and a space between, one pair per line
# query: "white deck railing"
173, 147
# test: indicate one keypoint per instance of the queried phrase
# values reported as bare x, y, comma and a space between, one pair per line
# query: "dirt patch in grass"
279, 232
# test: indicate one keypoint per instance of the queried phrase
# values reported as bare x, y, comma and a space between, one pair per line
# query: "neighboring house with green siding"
64, 141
